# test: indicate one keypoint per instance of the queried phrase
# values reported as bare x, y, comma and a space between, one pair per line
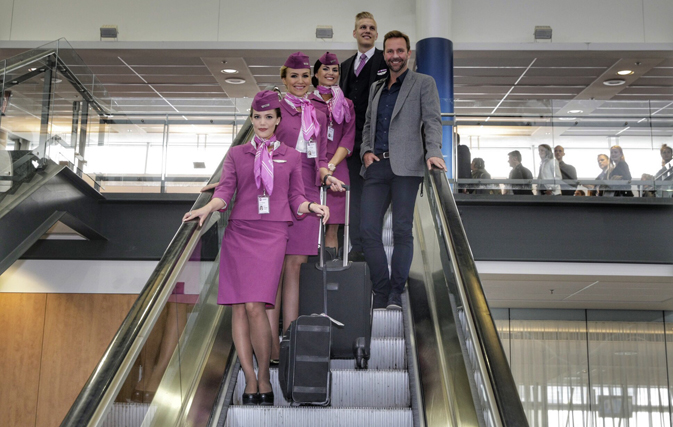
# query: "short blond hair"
364, 15
283, 72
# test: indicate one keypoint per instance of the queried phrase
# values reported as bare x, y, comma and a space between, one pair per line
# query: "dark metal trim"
497, 368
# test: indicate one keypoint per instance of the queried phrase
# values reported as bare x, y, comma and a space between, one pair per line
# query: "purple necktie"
363, 59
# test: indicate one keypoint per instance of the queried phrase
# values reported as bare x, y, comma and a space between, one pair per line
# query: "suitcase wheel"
361, 354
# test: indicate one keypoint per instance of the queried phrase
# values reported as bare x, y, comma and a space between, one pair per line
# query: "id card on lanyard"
263, 204
311, 149
330, 132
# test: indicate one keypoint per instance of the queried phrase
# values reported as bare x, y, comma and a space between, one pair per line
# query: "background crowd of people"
614, 170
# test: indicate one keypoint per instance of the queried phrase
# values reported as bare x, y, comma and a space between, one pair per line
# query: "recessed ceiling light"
32, 69
575, 111
228, 71
625, 72
567, 118
614, 82
235, 81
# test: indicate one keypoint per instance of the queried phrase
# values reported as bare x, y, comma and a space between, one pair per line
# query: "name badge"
263, 204
330, 133
311, 150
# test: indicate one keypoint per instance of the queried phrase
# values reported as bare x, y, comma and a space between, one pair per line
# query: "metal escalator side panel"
200, 356
446, 387
494, 388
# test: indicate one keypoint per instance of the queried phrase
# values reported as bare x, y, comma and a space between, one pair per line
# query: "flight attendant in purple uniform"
267, 178
340, 114
303, 128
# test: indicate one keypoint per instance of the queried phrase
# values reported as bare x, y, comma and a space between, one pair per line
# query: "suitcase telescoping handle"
346, 246
323, 201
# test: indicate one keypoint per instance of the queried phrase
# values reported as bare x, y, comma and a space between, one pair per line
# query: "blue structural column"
434, 56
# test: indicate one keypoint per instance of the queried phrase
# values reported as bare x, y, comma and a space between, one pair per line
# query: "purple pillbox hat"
265, 100
297, 61
329, 59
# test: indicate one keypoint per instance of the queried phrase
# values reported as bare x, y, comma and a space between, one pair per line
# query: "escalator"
39, 197
437, 362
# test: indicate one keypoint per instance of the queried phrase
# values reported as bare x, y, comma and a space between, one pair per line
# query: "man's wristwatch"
331, 167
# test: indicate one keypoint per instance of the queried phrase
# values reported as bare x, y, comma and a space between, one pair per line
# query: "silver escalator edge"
495, 393
107, 378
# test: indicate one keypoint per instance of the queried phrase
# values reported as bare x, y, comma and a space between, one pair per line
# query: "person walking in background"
518, 171
395, 153
549, 170
620, 172
568, 172
666, 171
329, 98
464, 161
606, 168
266, 176
478, 167
358, 73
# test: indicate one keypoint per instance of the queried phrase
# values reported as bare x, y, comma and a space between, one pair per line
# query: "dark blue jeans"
381, 187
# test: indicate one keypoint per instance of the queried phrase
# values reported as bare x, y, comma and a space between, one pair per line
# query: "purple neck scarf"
263, 166
309, 121
337, 105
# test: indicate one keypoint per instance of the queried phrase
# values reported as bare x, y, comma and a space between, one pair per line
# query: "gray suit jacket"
416, 114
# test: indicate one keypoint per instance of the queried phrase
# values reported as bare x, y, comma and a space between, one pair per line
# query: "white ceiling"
577, 285
186, 81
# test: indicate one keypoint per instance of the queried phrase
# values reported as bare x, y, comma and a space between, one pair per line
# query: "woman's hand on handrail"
202, 213
209, 187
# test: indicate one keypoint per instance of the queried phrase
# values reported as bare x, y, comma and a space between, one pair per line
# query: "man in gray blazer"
402, 136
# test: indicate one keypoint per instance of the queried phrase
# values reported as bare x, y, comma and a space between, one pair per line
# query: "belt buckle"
386, 155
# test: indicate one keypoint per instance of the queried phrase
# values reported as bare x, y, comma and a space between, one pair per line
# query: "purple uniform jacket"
238, 175
288, 132
344, 133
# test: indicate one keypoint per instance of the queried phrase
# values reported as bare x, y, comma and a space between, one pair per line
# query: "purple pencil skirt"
336, 202
303, 234
251, 261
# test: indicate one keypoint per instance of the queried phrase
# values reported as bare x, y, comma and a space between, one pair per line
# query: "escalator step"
351, 388
386, 353
314, 416
387, 324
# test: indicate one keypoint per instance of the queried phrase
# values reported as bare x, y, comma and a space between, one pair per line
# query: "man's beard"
400, 64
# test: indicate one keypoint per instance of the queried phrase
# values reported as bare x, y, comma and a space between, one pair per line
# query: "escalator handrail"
104, 375
498, 373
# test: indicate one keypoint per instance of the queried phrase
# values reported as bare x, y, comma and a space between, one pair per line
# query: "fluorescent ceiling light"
235, 81
575, 111
228, 71
614, 82
625, 72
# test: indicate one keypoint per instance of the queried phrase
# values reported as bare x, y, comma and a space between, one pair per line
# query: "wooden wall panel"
78, 329
21, 332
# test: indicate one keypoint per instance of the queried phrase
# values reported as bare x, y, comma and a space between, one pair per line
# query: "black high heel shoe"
266, 399
250, 399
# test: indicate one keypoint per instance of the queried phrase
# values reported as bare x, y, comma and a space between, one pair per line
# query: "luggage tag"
263, 204
311, 149
330, 132
336, 322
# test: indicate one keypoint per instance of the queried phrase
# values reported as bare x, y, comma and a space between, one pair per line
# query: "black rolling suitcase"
349, 300
304, 370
